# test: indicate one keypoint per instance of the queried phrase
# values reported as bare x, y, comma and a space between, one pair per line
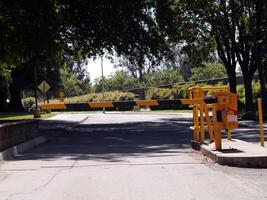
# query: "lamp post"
36, 111
35, 88
103, 87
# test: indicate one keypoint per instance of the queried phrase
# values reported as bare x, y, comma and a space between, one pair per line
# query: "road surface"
125, 156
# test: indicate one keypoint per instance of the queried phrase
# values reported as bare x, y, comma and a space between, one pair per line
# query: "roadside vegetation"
153, 43
22, 115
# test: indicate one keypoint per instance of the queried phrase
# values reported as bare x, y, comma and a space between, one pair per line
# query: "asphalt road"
125, 156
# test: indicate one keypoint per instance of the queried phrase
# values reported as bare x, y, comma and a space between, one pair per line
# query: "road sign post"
44, 87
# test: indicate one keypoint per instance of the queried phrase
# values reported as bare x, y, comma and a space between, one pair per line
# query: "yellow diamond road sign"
44, 87
61, 94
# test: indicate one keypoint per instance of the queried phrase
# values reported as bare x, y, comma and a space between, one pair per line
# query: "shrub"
256, 90
179, 91
28, 103
108, 96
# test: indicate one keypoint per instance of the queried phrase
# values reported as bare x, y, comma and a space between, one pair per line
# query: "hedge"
181, 91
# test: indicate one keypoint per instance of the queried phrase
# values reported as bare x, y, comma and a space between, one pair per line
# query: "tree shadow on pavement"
114, 142
247, 134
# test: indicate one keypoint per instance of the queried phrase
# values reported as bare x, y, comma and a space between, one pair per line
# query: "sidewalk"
237, 153
243, 150
251, 124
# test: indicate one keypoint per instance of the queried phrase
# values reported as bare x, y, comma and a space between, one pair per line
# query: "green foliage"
179, 91
256, 90
4, 84
240, 90
28, 29
28, 103
163, 76
118, 81
161, 93
97, 97
238, 28
71, 85
182, 89
208, 71
123, 81
33, 33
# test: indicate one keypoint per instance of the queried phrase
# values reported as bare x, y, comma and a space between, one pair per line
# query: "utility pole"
103, 87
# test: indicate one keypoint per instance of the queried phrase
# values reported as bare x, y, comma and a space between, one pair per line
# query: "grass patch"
22, 115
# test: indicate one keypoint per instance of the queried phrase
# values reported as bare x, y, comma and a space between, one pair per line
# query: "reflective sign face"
232, 118
61, 94
44, 87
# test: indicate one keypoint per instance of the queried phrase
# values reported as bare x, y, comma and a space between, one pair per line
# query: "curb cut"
20, 148
76, 124
62, 128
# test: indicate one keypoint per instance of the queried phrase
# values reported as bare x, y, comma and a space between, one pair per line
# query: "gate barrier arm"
81, 106
224, 108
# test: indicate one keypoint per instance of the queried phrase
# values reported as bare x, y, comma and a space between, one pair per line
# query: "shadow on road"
247, 134
113, 142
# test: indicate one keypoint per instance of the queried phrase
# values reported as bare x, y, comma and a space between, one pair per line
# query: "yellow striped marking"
59, 106
147, 103
107, 104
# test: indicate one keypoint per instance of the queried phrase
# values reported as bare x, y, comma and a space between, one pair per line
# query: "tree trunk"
15, 97
232, 78
250, 111
3, 98
4, 93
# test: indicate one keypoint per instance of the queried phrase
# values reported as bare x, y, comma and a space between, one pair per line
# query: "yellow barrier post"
260, 122
196, 123
229, 134
202, 128
210, 128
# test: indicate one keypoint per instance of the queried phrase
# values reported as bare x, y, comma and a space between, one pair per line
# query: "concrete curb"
20, 148
246, 162
241, 154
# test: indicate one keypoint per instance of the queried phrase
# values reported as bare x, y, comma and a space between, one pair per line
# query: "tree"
208, 71
4, 84
137, 68
118, 81
22, 78
31, 30
163, 76
189, 38
72, 85
234, 24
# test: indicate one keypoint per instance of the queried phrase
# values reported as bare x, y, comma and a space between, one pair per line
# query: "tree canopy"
35, 31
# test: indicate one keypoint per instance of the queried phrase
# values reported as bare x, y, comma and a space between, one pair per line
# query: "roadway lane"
125, 156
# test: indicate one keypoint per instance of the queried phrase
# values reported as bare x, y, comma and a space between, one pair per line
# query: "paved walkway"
251, 124
125, 157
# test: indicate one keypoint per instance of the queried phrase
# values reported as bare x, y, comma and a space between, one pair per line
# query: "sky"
94, 68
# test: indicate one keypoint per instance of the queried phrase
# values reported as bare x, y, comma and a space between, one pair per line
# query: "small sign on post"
44, 87
61, 96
